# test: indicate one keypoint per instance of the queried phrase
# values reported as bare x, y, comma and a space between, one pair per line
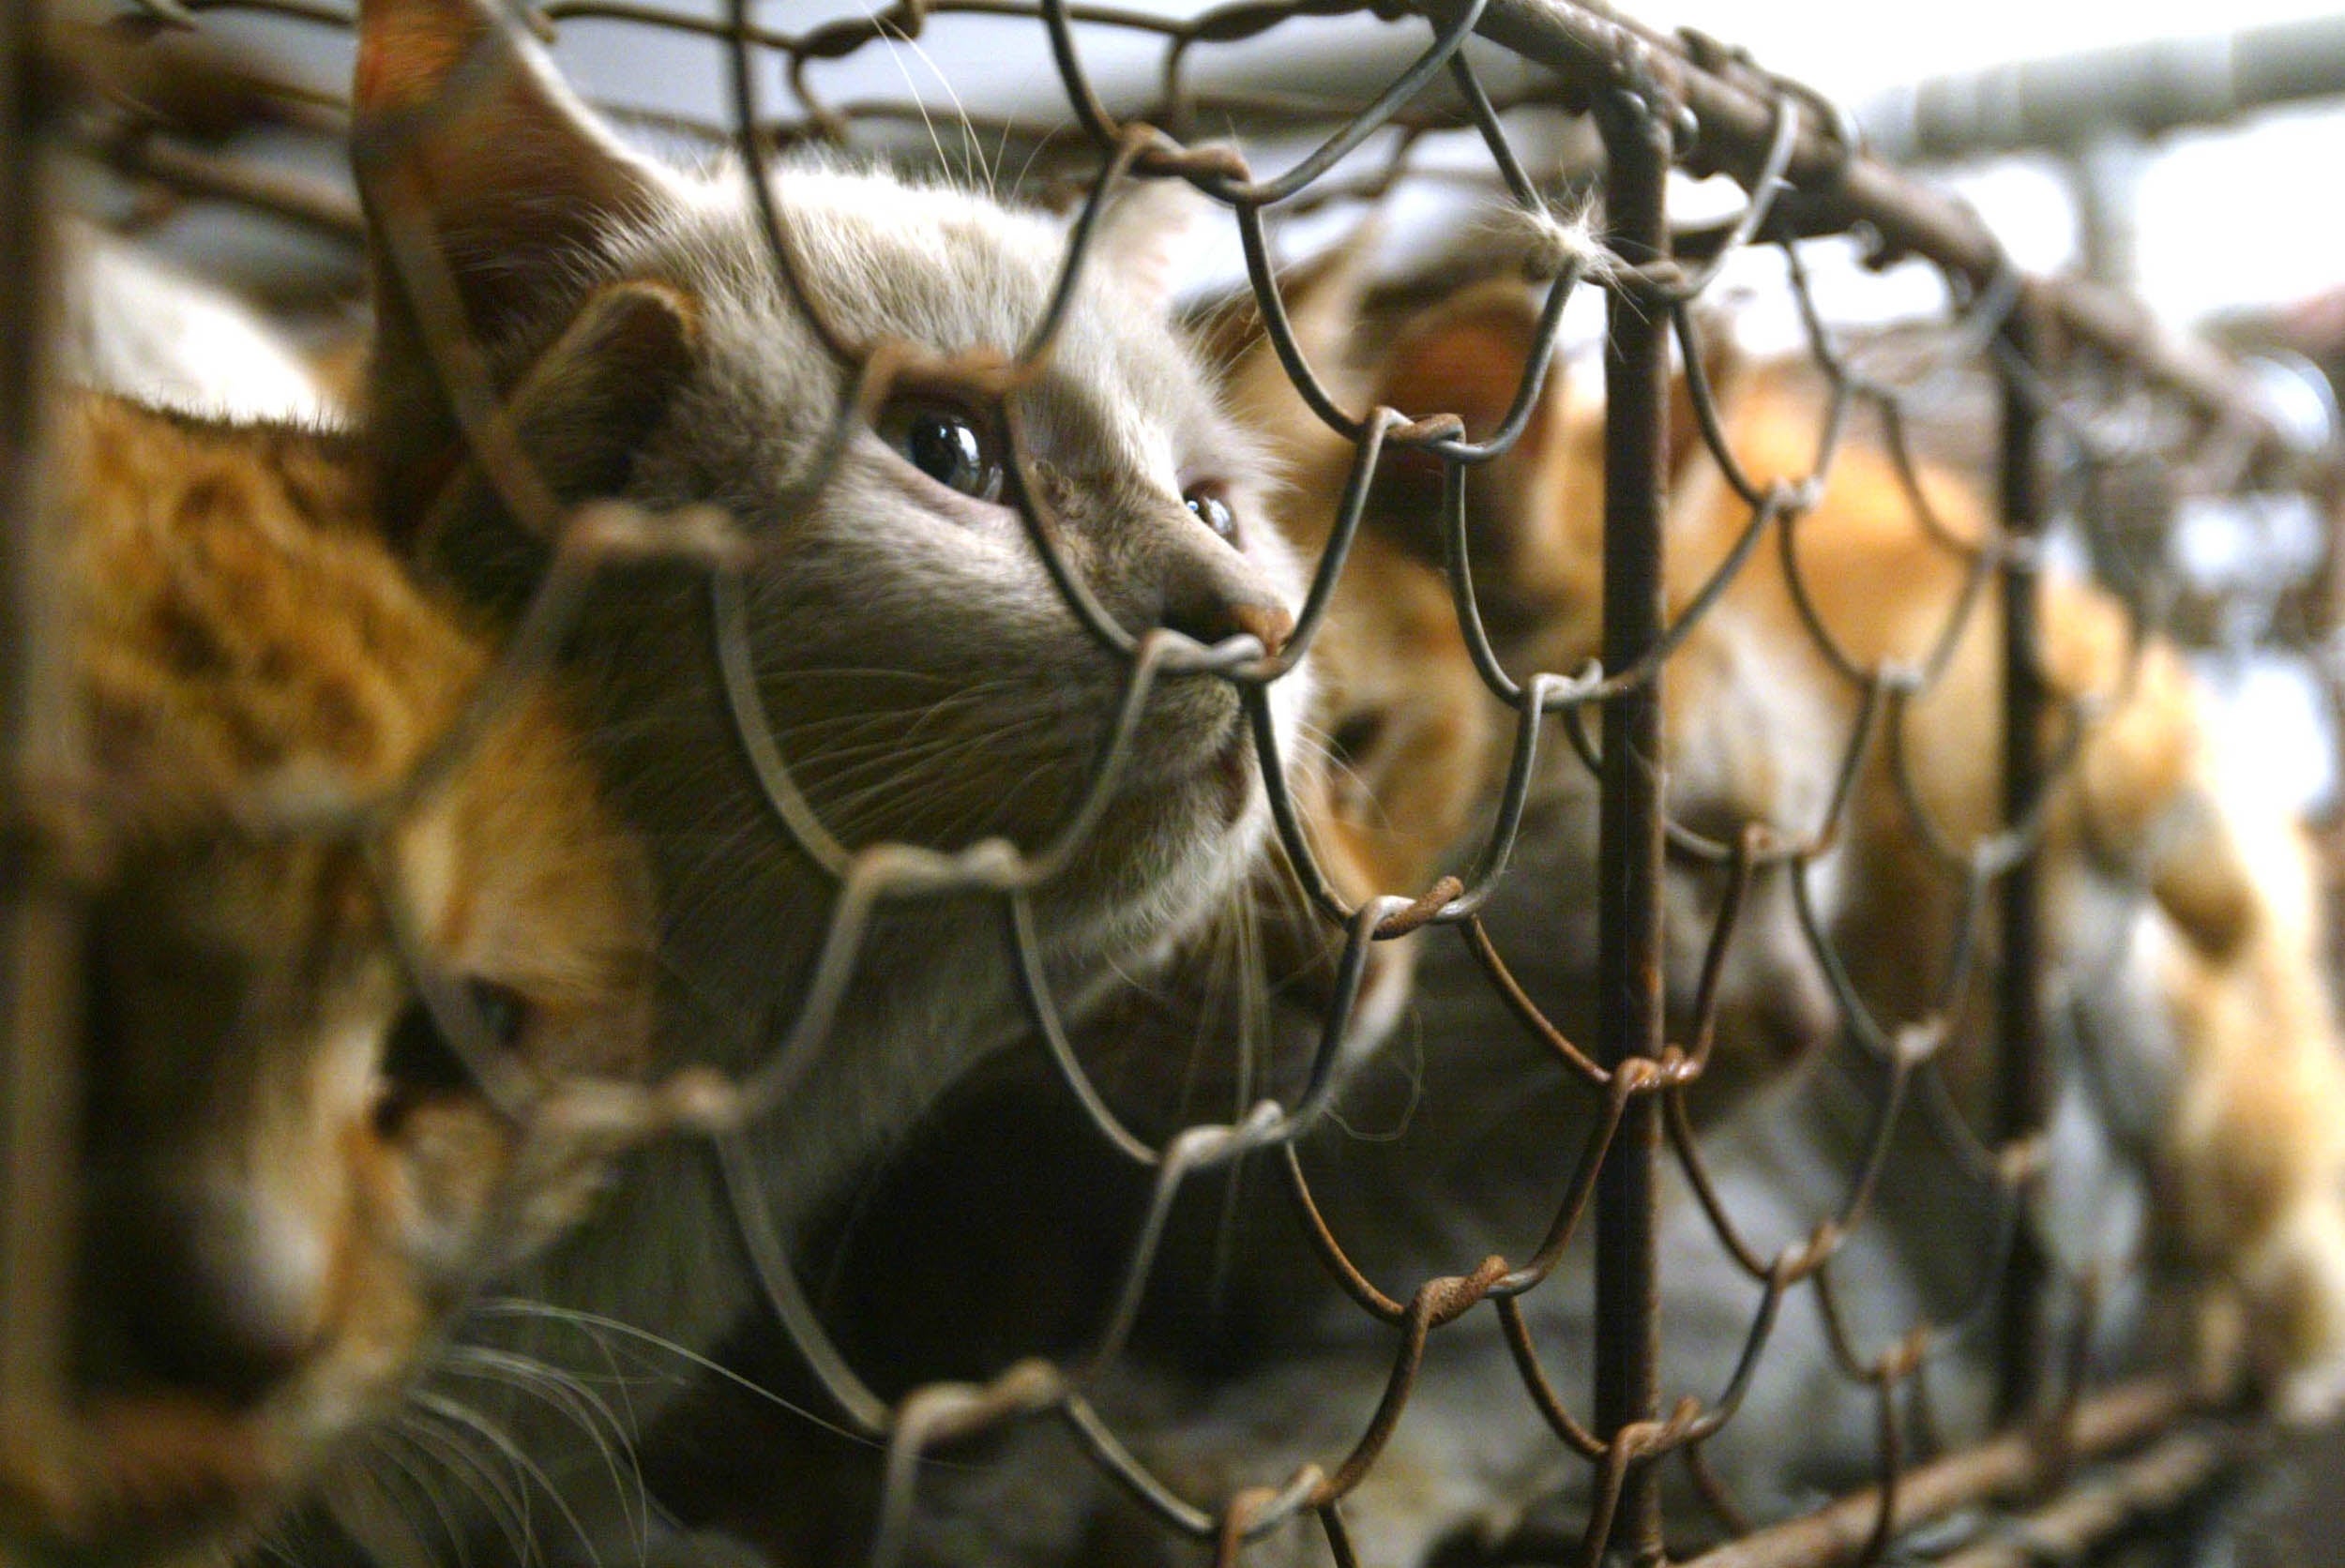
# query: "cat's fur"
289, 1183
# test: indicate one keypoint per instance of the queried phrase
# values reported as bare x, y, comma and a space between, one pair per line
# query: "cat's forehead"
952, 271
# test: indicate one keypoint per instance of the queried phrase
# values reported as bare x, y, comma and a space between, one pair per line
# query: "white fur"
139, 326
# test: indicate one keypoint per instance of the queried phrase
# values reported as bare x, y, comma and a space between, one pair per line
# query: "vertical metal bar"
2105, 181
2024, 1098
39, 918
1629, 841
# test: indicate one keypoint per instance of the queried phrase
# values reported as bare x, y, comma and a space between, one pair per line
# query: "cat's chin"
1163, 858
1187, 836
1216, 775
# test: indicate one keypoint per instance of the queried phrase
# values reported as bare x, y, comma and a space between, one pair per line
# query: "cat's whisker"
830, 733
983, 800
1316, 744
569, 1396
887, 800
596, 1324
450, 1448
973, 160
270, 1545
892, 44
384, 1509
1018, 186
1249, 984
1001, 155
785, 674
451, 1409
813, 760
386, 1449
909, 787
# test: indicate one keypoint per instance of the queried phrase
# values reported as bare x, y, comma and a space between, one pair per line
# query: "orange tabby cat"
290, 1178
2241, 1049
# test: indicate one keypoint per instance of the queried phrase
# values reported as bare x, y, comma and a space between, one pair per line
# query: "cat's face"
290, 1177
924, 677
923, 673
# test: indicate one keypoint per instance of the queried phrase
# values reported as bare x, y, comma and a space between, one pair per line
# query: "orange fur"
290, 1182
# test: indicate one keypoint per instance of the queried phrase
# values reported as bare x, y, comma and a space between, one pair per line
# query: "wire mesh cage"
1975, 1061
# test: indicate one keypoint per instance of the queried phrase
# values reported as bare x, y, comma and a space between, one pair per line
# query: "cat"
918, 667
2230, 929
1248, 1360
2227, 871
291, 1179
2181, 862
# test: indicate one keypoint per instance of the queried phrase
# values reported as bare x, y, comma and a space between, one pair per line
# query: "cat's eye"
1355, 737
1208, 506
945, 441
419, 1061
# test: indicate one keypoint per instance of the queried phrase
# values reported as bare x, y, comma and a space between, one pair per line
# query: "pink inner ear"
407, 50
512, 171
1469, 367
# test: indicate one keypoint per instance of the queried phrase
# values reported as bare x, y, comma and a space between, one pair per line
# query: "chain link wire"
1687, 101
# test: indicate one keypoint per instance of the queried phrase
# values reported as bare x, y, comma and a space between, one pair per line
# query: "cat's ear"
461, 125
1466, 356
580, 413
1536, 514
490, 183
1143, 237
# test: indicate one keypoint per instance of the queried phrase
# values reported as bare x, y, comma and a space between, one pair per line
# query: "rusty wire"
1658, 102
43, 870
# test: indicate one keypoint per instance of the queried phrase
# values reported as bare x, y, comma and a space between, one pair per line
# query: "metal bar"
2112, 1422
2105, 183
39, 918
320, 206
1629, 839
2137, 89
2023, 1087
1837, 187
2150, 1486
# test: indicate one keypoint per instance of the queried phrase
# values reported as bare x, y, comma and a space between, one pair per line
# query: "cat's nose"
1268, 623
1210, 599
221, 1293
